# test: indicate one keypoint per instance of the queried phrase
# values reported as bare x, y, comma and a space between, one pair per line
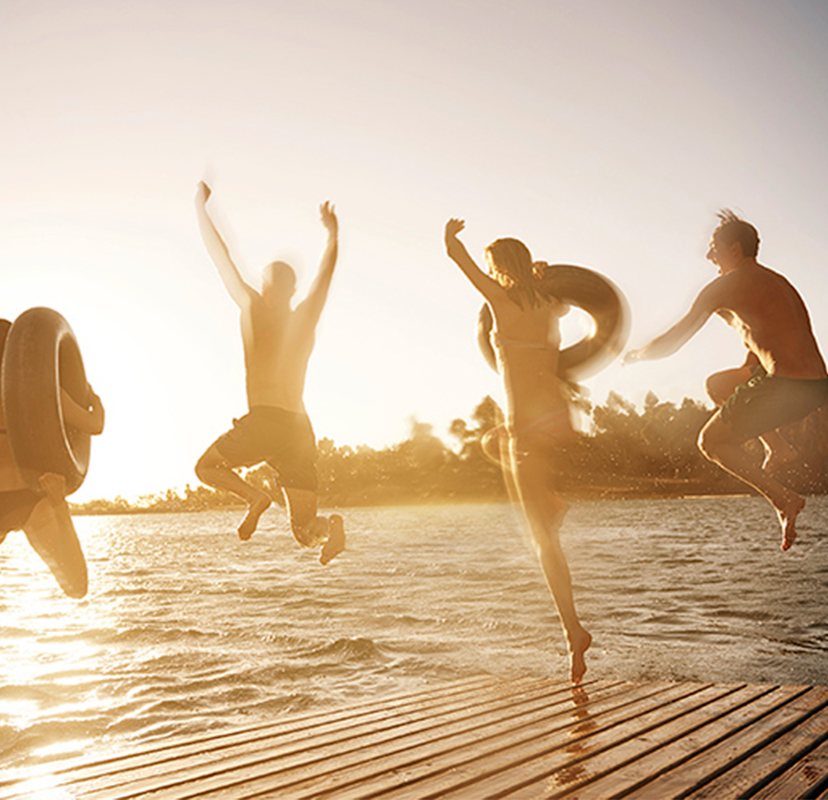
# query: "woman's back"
528, 342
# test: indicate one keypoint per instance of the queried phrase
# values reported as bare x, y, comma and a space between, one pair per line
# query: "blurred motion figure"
782, 380
527, 342
278, 341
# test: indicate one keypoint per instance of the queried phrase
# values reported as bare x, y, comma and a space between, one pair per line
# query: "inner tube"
41, 357
597, 296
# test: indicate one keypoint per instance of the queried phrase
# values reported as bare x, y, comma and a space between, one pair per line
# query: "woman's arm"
90, 419
490, 289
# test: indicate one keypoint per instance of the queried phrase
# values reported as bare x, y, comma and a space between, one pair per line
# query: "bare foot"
336, 540
250, 522
577, 649
787, 519
779, 458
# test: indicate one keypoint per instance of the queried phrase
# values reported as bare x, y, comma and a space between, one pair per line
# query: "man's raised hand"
203, 192
328, 216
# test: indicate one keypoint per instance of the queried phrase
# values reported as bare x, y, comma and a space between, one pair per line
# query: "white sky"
603, 133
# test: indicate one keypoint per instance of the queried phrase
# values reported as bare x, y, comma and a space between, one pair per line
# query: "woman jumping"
527, 338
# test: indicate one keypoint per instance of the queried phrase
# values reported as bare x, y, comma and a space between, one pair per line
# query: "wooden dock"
493, 738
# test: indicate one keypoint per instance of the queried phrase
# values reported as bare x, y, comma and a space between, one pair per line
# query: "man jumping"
783, 381
278, 341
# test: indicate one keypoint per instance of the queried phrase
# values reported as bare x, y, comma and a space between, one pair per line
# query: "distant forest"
623, 453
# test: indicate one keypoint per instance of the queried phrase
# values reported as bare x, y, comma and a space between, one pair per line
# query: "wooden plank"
353, 761
171, 755
564, 757
174, 748
744, 779
318, 745
486, 738
694, 773
426, 772
625, 765
802, 779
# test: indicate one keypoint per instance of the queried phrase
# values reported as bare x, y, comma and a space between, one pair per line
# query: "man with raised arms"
785, 373
278, 341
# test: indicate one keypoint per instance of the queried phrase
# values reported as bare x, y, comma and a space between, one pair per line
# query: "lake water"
186, 628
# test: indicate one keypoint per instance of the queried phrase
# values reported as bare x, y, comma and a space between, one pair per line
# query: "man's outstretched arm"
672, 340
241, 293
317, 295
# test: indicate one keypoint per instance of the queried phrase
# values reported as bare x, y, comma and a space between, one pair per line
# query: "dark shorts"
766, 402
284, 439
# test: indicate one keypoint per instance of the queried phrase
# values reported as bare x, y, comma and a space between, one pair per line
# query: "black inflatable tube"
594, 294
40, 357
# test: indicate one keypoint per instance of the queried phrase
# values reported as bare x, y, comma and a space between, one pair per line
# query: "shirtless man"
278, 341
784, 380
44, 515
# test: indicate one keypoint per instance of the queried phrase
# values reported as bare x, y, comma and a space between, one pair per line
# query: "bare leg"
778, 452
51, 533
720, 444
212, 469
311, 530
495, 445
544, 511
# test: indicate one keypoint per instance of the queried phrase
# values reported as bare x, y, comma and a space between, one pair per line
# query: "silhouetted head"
510, 264
733, 240
278, 281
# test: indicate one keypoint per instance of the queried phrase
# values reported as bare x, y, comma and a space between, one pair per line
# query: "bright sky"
600, 132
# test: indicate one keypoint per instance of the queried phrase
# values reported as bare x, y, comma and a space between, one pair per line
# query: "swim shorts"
284, 439
766, 402
15, 508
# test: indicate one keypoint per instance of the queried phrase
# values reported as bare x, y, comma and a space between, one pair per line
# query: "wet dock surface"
491, 738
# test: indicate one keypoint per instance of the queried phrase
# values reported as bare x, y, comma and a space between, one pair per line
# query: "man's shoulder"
718, 290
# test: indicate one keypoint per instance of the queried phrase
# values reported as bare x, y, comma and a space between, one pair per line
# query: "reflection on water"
186, 629
577, 748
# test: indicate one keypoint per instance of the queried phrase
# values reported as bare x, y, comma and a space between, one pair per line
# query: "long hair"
510, 264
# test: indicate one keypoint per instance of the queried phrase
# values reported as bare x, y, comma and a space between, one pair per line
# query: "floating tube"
592, 293
40, 358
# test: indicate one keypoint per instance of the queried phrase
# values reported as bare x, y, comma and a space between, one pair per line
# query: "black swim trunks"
284, 439
766, 402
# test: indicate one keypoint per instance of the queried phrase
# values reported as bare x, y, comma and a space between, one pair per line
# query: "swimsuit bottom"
283, 439
766, 402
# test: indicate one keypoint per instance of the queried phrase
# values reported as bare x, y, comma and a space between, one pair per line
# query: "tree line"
621, 452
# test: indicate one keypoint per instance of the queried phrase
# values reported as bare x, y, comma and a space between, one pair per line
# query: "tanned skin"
49, 519
770, 316
278, 341
533, 391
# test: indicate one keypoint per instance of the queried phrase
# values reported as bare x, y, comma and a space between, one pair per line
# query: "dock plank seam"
535, 693
669, 776
368, 755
